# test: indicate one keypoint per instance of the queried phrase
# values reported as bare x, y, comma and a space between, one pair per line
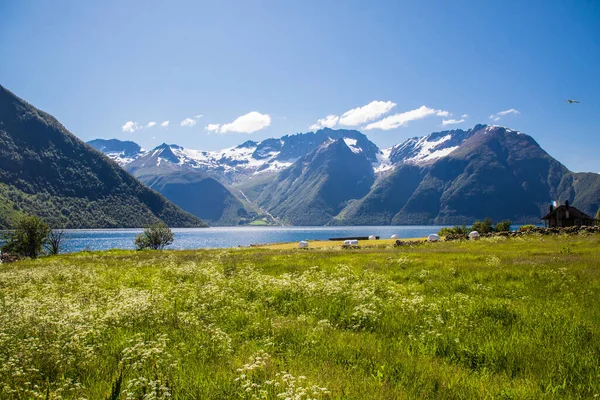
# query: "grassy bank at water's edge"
504, 318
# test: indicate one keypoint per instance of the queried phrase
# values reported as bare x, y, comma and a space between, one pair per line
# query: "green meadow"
514, 318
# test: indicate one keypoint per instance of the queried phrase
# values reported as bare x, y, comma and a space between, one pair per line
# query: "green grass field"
498, 318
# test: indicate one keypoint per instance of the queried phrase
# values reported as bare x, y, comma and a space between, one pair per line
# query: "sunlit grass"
497, 318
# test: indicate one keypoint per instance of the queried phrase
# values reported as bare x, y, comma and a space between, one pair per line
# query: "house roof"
573, 213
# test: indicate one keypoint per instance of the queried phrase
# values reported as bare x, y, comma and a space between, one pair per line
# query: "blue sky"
108, 69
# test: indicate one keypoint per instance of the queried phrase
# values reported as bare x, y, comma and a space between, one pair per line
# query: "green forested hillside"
47, 171
196, 193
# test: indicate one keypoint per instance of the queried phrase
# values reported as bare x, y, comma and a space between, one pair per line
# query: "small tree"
28, 238
598, 214
154, 237
54, 241
503, 226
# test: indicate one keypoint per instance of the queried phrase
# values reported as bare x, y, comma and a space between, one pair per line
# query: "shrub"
455, 230
526, 228
154, 237
503, 226
54, 241
28, 238
484, 226
456, 236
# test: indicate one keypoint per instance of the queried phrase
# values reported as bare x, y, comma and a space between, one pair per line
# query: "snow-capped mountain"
123, 152
241, 162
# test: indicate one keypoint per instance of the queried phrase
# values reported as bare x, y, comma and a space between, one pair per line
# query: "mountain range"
340, 177
47, 171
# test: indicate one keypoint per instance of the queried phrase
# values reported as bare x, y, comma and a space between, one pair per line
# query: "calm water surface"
195, 238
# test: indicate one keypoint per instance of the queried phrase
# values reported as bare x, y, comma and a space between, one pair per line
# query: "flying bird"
572, 101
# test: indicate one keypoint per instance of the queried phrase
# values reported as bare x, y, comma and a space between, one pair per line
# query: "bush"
455, 230
484, 226
456, 236
503, 226
154, 237
526, 228
54, 241
28, 238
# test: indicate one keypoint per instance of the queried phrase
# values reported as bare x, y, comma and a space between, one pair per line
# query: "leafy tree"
28, 238
598, 214
503, 226
54, 241
154, 237
484, 226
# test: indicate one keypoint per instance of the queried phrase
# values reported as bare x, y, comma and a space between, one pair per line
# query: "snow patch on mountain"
351, 143
426, 149
121, 158
383, 161
429, 150
508, 130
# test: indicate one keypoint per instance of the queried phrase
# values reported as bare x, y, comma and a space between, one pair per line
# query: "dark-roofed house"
566, 215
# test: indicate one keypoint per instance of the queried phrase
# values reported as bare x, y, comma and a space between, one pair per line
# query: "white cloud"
465, 116
131, 127
212, 127
188, 122
327, 122
164, 124
452, 121
500, 114
370, 112
397, 120
251, 122
150, 124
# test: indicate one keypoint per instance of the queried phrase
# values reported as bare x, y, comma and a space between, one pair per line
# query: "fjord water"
220, 237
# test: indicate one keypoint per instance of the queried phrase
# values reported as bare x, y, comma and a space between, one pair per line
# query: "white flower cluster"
149, 363
254, 383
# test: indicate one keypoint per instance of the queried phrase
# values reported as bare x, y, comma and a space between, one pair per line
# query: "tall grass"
497, 318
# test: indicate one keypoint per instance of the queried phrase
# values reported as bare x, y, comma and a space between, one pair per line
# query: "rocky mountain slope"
47, 171
317, 186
